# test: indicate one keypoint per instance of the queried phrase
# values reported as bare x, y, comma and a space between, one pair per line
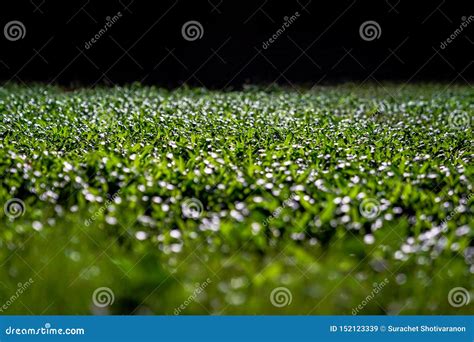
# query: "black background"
322, 46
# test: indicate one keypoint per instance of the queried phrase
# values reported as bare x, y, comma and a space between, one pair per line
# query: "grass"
346, 200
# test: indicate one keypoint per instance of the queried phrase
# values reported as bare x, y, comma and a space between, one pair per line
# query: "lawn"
332, 200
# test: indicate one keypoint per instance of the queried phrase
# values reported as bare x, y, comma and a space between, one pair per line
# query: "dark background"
322, 46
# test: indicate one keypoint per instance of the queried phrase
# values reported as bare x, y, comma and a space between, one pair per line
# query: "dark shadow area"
233, 43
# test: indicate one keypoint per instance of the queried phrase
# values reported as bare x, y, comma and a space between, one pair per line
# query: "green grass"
106, 176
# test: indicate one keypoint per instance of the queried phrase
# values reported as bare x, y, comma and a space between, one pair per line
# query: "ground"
347, 199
